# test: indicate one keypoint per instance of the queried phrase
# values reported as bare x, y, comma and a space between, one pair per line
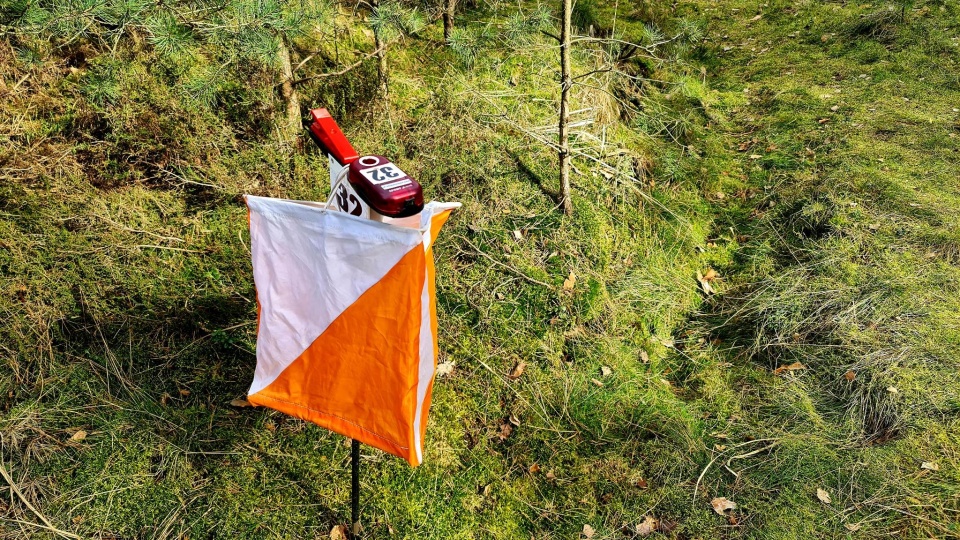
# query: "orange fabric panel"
359, 377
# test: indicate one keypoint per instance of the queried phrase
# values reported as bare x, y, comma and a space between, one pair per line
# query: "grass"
128, 302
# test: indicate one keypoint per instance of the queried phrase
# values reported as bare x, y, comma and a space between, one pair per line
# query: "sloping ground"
846, 280
128, 302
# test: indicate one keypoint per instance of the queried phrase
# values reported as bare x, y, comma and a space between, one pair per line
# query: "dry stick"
748, 454
46, 523
712, 461
346, 69
510, 268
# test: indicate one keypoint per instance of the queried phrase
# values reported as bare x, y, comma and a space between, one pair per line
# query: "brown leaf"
711, 274
505, 430
790, 367
338, 532
445, 368
648, 526
517, 370
534, 469
239, 403
928, 465
596, 382
852, 527
588, 531
850, 375
642, 484
722, 504
644, 357
184, 392
823, 496
704, 284
79, 436
551, 476
570, 282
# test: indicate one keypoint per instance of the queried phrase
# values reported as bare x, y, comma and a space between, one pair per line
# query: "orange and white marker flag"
347, 324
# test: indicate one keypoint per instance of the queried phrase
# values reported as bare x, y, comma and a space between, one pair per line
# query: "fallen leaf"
644, 357
704, 284
642, 484
835, 108
514, 420
239, 403
929, 465
647, 527
893, 390
338, 532
852, 527
518, 235
551, 476
79, 436
755, 156
570, 282
517, 370
505, 430
534, 469
791, 367
596, 382
444, 368
823, 120
711, 275
757, 18
588, 531
605, 371
722, 504
823, 496
850, 375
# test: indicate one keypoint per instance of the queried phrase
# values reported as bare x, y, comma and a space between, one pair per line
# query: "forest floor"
763, 343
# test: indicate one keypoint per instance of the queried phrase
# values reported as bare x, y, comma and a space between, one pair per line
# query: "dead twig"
500, 264
46, 523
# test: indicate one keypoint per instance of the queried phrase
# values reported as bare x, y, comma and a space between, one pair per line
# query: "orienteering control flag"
347, 323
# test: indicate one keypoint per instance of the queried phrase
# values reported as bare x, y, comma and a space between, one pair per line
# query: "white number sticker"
388, 177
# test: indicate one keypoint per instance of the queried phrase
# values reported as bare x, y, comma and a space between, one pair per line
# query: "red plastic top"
385, 187
325, 131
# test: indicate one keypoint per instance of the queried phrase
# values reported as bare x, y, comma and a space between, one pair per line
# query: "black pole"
355, 487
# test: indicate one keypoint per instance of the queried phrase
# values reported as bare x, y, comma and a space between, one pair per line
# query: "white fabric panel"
309, 265
426, 368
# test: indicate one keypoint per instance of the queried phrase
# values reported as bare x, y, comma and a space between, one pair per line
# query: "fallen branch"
343, 71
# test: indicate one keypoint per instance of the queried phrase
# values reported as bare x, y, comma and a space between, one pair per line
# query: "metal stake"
355, 487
